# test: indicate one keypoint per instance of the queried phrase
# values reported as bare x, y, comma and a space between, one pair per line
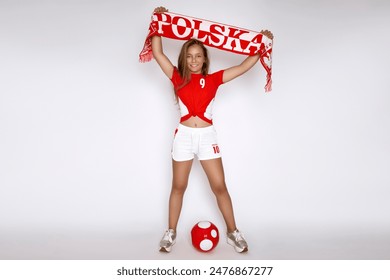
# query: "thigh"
181, 171
214, 171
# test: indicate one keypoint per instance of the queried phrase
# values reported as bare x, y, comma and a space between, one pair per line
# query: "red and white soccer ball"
205, 236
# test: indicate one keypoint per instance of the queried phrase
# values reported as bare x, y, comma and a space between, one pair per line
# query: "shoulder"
217, 77
176, 78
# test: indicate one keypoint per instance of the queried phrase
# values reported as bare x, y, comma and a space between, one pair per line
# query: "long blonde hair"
182, 66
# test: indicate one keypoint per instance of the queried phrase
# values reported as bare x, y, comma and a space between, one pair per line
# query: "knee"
219, 189
179, 188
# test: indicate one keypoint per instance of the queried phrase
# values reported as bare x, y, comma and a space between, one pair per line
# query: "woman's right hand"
160, 10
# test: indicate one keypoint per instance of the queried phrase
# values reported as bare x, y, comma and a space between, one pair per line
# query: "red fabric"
221, 36
197, 95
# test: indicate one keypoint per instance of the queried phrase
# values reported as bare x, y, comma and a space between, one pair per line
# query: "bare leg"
215, 174
181, 172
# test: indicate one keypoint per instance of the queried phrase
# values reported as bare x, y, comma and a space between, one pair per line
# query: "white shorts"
190, 141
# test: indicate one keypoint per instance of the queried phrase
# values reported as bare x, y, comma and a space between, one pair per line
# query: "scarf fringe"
268, 86
146, 54
146, 57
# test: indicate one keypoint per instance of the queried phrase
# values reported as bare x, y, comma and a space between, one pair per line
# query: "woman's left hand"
267, 33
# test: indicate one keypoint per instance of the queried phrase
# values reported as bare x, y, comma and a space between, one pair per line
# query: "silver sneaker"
237, 240
168, 240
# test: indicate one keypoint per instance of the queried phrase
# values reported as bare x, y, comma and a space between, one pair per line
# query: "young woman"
195, 90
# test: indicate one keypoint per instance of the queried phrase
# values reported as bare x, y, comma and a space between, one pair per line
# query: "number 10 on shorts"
216, 149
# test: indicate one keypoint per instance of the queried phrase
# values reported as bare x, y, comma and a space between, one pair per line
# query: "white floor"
272, 243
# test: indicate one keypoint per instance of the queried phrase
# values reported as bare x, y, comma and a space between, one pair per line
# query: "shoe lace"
238, 236
168, 235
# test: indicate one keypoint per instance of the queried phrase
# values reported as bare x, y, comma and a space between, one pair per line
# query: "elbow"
243, 69
156, 53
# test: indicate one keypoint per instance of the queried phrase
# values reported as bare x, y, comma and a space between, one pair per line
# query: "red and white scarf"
218, 35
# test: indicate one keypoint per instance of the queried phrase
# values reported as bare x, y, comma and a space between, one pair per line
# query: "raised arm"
158, 53
236, 71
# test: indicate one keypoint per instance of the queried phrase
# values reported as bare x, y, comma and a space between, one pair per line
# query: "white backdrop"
86, 131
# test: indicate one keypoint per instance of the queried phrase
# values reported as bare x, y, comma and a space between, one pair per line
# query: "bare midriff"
195, 122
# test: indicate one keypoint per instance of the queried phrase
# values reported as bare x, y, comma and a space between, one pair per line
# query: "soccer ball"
205, 236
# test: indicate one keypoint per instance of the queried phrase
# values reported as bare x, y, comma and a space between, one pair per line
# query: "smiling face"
195, 59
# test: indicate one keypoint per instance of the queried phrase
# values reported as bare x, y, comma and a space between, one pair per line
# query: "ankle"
231, 230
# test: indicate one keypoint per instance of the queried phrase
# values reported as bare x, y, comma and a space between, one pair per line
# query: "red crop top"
197, 97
